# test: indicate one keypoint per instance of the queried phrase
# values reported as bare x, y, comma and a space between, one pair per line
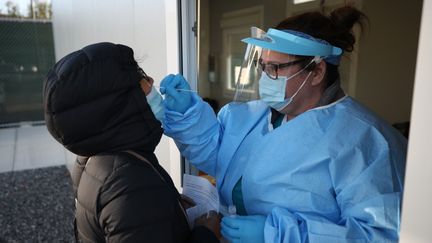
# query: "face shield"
278, 42
247, 77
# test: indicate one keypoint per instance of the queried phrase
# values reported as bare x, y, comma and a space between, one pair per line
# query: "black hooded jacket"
96, 108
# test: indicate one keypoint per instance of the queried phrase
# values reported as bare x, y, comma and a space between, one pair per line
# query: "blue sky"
22, 5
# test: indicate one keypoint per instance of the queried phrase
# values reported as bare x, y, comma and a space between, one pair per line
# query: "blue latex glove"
242, 229
176, 98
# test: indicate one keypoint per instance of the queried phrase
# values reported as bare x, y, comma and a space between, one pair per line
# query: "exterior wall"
148, 27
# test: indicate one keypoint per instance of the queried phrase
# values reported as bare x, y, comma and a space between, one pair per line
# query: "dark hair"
336, 29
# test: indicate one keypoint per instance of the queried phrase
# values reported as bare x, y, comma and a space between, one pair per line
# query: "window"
236, 26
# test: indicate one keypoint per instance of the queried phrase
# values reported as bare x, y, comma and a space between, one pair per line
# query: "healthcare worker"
304, 162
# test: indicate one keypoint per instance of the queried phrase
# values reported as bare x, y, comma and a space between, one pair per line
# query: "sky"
22, 5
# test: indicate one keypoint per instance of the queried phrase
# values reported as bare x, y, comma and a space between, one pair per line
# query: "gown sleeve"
197, 133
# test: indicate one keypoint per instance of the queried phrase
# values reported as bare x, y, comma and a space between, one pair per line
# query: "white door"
417, 201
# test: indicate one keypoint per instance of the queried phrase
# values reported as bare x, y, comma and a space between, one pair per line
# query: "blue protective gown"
332, 174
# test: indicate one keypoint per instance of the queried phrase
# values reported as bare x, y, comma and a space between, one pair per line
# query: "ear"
318, 74
146, 85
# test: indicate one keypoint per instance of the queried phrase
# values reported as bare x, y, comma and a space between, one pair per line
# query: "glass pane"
221, 52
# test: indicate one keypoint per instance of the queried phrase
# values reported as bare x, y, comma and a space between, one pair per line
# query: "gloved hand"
177, 98
243, 229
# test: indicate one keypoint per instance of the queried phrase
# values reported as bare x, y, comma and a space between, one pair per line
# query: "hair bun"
346, 17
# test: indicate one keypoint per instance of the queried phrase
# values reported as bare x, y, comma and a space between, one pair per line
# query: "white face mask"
272, 91
154, 99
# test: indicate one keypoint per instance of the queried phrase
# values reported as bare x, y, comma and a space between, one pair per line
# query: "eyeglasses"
143, 74
271, 69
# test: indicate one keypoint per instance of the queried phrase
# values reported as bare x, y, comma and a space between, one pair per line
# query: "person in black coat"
96, 108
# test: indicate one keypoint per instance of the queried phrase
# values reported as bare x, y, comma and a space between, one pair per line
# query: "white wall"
417, 204
148, 27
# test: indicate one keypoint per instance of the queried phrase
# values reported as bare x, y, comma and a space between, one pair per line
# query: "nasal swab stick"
187, 90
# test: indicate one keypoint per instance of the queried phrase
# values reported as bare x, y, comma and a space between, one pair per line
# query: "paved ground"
36, 205
36, 201
29, 147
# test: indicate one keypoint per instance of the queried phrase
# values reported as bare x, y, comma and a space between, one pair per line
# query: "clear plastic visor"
260, 61
246, 86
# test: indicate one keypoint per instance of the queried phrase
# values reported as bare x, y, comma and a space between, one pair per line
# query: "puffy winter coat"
96, 108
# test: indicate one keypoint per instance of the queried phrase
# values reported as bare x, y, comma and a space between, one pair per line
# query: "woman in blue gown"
305, 162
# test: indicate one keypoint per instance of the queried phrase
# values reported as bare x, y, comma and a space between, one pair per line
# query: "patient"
96, 106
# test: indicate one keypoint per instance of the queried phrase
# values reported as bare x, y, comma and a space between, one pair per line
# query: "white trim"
417, 200
173, 66
189, 47
330, 105
172, 36
189, 43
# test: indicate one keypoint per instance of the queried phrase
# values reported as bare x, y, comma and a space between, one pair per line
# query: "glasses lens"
270, 70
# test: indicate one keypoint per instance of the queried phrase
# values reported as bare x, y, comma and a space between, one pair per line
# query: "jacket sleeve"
136, 206
77, 171
197, 134
368, 192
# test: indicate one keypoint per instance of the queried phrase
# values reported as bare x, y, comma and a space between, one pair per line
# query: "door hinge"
195, 29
